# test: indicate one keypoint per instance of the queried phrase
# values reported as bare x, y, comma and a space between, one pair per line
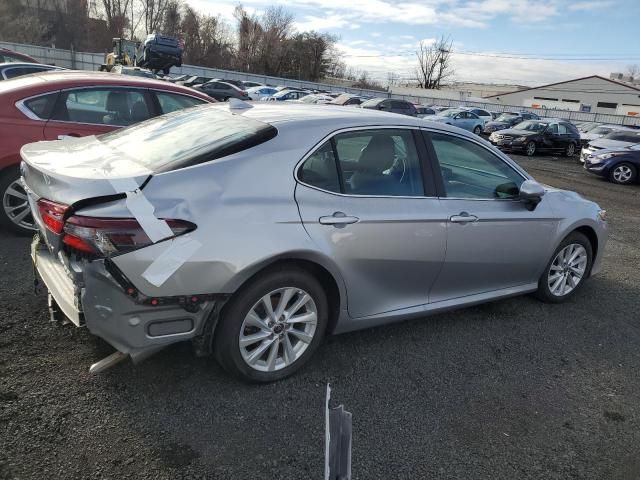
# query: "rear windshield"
188, 137
631, 137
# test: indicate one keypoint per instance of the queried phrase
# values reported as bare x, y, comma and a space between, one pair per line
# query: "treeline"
266, 44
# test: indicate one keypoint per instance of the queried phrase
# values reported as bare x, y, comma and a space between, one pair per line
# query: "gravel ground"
511, 389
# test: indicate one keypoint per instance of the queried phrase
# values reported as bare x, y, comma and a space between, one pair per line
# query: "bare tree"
153, 12
434, 63
633, 70
393, 79
116, 15
172, 19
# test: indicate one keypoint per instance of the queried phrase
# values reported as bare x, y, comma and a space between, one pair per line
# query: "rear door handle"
463, 217
338, 219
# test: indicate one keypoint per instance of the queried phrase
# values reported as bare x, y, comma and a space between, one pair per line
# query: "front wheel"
623, 173
530, 149
15, 214
272, 326
477, 130
569, 266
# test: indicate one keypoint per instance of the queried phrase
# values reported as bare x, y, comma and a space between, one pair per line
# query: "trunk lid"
75, 169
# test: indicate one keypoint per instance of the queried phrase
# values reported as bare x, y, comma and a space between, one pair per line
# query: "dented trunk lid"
74, 169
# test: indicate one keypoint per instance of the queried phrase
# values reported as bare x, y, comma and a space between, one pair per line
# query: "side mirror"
531, 193
457, 117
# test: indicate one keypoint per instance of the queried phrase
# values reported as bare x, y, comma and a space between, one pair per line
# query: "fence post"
72, 54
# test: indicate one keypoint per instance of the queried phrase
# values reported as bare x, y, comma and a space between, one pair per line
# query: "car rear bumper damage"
93, 294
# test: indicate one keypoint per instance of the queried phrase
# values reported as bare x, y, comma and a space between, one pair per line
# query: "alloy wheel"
567, 269
278, 329
571, 148
16, 205
531, 148
622, 173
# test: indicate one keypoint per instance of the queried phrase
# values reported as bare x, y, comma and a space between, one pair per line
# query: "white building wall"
594, 94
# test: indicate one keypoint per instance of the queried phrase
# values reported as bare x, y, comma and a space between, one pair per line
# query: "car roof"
26, 64
60, 79
288, 113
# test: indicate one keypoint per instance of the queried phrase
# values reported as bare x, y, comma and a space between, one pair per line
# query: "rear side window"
370, 162
102, 106
188, 137
170, 102
320, 170
42, 106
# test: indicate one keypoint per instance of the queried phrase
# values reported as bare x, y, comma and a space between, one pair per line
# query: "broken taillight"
52, 214
109, 236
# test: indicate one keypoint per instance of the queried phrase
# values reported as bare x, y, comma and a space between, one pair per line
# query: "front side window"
371, 162
553, 128
102, 106
471, 171
170, 102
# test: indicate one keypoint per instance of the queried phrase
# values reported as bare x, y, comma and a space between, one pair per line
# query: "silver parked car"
255, 231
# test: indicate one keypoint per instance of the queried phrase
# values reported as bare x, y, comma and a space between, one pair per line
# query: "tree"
633, 70
116, 12
154, 13
172, 19
434, 63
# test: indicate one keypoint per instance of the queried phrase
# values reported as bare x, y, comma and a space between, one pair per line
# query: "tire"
235, 325
574, 244
477, 130
10, 193
225, 99
623, 173
530, 149
166, 71
570, 151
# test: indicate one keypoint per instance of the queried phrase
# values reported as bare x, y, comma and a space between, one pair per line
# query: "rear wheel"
570, 150
477, 130
530, 149
569, 266
272, 326
16, 213
623, 173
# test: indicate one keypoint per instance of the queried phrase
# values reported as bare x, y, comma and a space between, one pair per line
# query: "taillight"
52, 214
108, 236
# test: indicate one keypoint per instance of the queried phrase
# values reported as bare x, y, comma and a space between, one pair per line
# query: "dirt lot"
512, 389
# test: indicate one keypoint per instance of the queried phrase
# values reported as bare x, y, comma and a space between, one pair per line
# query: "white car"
258, 93
483, 114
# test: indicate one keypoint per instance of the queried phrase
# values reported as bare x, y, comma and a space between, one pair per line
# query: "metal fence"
92, 61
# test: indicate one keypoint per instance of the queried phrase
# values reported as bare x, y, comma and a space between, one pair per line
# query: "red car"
51, 105
11, 56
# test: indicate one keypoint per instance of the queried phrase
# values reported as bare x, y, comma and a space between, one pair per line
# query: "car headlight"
602, 215
605, 156
492, 136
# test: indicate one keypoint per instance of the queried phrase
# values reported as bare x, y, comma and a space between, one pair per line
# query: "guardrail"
92, 61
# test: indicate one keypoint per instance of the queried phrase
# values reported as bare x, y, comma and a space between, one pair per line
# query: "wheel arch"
592, 236
322, 268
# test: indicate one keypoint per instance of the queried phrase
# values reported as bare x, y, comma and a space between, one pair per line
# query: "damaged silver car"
253, 232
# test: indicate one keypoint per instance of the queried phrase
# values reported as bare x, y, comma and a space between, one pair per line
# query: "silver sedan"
255, 231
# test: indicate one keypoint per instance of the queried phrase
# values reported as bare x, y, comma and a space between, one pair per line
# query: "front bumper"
508, 144
89, 295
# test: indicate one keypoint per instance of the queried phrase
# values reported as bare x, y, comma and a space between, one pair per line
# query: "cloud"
589, 6
329, 22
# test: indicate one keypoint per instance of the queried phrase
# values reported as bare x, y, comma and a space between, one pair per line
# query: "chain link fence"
92, 61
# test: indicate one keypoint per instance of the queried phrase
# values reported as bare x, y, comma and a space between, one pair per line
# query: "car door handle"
68, 135
463, 217
338, 219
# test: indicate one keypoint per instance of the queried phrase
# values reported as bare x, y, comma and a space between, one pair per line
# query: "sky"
545, 40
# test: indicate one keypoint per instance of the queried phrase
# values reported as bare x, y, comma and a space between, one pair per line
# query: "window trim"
435, 166
21, 104
420, 150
